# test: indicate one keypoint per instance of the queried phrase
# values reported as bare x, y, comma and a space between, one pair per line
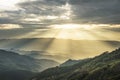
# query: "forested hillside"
103, 67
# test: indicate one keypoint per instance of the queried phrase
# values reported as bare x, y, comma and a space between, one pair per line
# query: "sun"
69, 26
72, 31
72, 26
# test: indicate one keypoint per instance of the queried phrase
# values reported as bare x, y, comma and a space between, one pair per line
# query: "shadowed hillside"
14, 66
102, 67
11, 60
16, 75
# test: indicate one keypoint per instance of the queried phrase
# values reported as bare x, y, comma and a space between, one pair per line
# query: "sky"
45, 18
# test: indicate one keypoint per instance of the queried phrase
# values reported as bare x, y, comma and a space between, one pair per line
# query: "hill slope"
14, 66
69, 62
103, 67
11, 60
16, 75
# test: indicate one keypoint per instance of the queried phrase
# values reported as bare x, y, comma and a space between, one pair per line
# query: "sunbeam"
67, 39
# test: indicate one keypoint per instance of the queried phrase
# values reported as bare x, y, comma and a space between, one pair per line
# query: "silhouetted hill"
11, 60
14, 66
103, 67
41, 55
69, 62
16, 75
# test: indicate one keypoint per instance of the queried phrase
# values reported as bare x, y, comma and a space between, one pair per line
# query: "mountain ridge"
23, 62
102, 67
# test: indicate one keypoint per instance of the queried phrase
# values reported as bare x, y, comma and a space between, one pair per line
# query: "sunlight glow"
10, 26
9, 4
72, 26
67, 26
66, 39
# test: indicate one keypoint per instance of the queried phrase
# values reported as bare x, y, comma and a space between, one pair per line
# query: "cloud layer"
63, 11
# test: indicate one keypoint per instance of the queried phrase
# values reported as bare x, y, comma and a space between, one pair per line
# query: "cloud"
96, 11
37, 12
43, 7
10, 26
46, 11
50, 12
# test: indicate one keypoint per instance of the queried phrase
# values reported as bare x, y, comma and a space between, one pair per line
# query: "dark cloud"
29, 11
13, 33
82, 11
96, 11
11, 17
5, 20
43, 7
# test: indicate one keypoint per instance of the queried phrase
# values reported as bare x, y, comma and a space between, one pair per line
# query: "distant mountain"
41, 55
103, 67
11, 60
69, 62
14, 66
61, 46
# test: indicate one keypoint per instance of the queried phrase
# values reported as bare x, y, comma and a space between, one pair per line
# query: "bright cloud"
9, 26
